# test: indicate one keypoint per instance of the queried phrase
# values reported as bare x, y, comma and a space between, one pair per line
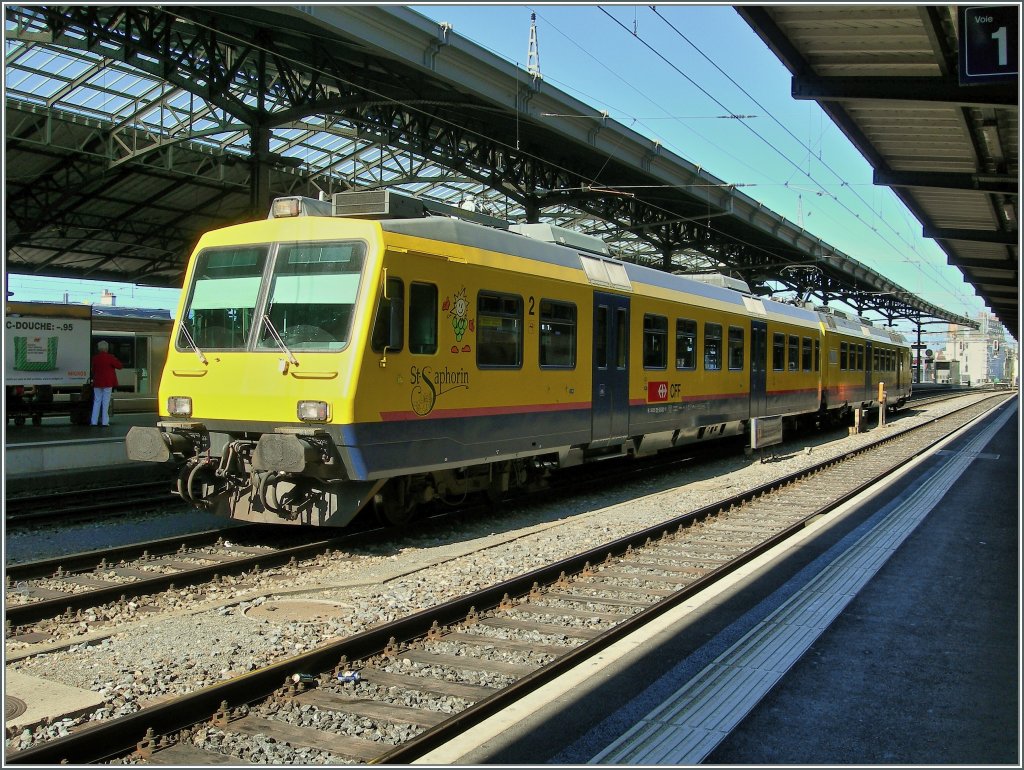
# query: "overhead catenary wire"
785, 128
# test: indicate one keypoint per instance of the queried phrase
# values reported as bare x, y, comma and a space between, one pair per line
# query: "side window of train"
601, 337
794, 352
686, 344
843, 359
499, 331
557, 334
860, 358
712, 347
817, 356
422, 318
805, 350
655, 341
735, 348
389, 325
778, 351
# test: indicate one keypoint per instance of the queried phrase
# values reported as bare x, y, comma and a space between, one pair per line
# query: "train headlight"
179, 406
313, 411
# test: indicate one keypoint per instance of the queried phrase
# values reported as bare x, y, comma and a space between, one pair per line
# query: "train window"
621, 337
712, 347
817, 356
860, 358
686, 344
794, 352
805, 350
778, 351
557, 334
655, 341
121, 346
601, 337
735, 347
499, 330
843, 360
312, 296
422, 318
221, 306
390, 319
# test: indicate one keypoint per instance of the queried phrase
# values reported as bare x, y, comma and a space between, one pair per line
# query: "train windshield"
312, 295
221, 308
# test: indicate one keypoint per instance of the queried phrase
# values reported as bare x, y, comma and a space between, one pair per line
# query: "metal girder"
998, 183
279, 78
904, 88
1005, 263
982, 236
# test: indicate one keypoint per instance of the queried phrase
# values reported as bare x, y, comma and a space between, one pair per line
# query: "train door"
758, 368
868, 369
610, 400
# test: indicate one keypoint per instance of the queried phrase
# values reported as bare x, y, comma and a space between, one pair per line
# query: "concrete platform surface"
29, 700
57, 448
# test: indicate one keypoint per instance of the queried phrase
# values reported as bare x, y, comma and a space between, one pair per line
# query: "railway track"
58, 590
74, 505
419, 680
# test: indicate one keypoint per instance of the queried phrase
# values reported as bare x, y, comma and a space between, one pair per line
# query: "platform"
57, 448
889, 635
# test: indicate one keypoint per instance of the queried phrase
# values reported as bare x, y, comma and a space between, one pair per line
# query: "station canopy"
926, 95
130, 130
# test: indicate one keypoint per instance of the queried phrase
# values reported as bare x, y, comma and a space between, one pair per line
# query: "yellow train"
384, 350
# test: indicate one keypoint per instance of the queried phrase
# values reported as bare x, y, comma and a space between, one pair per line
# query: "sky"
677, 73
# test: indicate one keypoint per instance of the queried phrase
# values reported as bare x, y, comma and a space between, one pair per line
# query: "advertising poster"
41, 350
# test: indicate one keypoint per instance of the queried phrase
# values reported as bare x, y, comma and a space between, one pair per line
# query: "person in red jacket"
104, 380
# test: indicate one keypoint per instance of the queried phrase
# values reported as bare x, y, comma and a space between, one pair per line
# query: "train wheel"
37, 419
392, 506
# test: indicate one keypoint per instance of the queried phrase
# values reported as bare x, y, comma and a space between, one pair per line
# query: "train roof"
602, 271
407, 215
109, 311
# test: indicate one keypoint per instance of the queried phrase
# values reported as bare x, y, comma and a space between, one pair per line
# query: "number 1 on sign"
1000, 37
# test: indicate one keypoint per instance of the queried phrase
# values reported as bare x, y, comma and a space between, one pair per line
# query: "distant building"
981, 356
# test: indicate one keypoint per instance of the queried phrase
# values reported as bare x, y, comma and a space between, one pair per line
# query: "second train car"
366, 352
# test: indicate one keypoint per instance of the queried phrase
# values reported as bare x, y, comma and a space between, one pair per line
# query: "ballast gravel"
198, 637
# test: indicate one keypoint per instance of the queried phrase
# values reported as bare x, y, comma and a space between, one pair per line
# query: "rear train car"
864, 362
370, 355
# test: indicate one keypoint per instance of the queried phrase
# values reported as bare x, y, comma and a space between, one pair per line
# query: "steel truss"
246, 106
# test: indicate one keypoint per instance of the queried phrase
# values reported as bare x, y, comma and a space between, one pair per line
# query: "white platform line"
698, 716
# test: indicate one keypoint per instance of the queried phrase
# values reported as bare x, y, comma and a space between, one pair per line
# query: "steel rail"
89, 560
23, 614
67, 505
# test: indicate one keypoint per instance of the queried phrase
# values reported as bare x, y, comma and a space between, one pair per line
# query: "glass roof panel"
32, 86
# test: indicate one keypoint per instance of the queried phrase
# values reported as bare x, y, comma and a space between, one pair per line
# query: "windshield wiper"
192, 342
280, 342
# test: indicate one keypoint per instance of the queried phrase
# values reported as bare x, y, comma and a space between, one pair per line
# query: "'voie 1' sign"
989, 43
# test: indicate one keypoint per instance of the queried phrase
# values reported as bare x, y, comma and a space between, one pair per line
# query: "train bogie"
322, 365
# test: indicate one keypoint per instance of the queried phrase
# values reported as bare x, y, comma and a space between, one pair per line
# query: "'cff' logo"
657, 391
